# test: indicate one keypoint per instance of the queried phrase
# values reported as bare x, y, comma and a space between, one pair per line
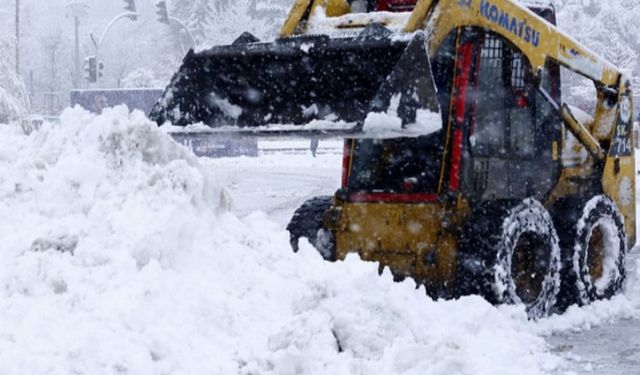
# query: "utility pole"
76, 22
53, 77
18, 37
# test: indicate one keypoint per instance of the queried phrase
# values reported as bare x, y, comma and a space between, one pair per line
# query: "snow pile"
118, 257
382, 122
320, 23
622, 306
389, 125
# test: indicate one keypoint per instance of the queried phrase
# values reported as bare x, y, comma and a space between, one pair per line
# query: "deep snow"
122, 253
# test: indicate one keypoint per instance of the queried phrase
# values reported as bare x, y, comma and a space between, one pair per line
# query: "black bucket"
295, 80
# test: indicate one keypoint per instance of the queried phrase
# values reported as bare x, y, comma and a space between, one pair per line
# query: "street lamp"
163, 17
130, 12
77, 9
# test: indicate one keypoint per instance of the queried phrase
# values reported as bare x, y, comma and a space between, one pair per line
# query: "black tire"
594, 246
509, 254
566, 214
307, 222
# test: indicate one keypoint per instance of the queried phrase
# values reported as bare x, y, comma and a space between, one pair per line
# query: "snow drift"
118, 256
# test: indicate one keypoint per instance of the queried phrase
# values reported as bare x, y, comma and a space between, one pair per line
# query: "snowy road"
611, 349
277, 183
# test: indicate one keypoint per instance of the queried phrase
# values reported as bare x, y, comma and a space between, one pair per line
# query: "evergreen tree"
620, 53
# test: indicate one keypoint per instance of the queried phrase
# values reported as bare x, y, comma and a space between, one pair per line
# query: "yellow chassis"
421, 225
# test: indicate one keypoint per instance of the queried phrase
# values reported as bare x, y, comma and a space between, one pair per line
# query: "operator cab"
500, 137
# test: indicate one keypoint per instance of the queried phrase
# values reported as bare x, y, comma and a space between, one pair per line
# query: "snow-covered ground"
123, 253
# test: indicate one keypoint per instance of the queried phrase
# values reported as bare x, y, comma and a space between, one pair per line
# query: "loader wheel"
594, 247
509, 253
307, 221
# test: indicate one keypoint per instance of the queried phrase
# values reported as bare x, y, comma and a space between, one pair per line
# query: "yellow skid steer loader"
460, 167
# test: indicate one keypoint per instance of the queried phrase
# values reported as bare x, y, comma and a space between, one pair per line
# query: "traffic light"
131, 7
162, 12
100, 69
90, 69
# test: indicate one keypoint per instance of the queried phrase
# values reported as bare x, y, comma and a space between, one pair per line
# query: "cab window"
407, 165
514, 128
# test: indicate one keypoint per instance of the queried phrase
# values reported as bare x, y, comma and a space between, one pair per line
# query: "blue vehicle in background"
218, 145
96, 100
143, 99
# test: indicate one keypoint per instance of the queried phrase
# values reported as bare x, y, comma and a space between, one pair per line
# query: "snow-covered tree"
200, 19
607, 28
261, 18
14, 100
197, 15
140, 78
621, 54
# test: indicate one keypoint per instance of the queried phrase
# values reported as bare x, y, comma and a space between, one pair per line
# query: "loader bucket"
295, 80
